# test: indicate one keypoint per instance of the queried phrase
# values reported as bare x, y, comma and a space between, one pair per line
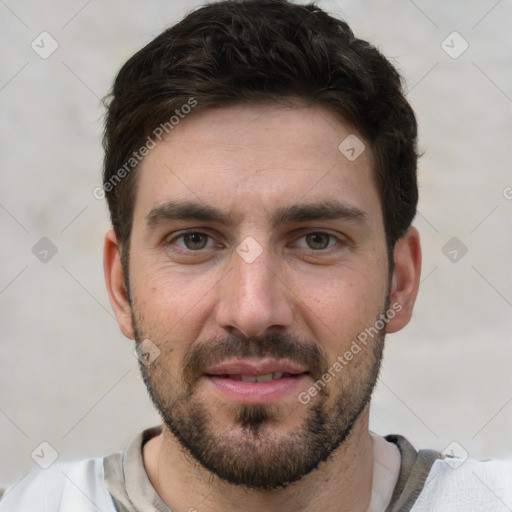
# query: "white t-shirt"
404, 481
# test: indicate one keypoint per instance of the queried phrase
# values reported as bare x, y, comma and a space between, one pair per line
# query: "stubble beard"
251, 454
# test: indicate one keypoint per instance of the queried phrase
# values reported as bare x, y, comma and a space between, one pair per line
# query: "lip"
253, 367
256, 392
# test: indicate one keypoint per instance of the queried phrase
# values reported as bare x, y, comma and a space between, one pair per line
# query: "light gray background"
68, 377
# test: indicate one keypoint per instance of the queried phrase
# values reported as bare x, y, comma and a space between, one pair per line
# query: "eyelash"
190, 251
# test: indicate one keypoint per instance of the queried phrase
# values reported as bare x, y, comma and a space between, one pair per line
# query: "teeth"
264, 378
258, 378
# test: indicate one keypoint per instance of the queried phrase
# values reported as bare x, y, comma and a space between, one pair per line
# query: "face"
257, 257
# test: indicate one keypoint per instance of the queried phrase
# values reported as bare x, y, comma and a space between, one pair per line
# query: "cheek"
173, 303
344, 290
338, 308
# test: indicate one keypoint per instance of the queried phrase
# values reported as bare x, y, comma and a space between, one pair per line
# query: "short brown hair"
252, 51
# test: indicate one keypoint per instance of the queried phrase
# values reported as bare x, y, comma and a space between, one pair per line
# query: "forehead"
250, 161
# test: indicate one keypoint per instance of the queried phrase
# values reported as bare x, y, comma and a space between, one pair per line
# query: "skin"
249, 161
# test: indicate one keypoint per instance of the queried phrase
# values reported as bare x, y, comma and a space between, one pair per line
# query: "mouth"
256, 381
258, 378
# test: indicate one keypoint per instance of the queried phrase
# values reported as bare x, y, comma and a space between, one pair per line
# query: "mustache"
207, 353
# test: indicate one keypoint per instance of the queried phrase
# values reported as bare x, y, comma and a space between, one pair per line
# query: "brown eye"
195, 241
318, 240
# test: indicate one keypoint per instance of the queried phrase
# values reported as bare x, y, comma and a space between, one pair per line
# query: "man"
260, 170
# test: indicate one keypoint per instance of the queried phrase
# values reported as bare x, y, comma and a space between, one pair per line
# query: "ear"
115, 281
405, 280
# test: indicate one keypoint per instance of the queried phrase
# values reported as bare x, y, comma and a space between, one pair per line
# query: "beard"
253, 452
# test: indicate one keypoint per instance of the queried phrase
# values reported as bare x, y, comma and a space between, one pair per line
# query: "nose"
254, 297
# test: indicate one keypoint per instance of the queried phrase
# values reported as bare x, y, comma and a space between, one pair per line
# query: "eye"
319, 240
193, 241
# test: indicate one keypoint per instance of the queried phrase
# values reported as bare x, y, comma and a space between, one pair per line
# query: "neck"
344, 479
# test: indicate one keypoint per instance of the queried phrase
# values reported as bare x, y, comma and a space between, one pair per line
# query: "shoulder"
430, 481
466, 485
67, 487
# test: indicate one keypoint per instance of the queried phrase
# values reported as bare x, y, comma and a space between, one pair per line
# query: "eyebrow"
188, 210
